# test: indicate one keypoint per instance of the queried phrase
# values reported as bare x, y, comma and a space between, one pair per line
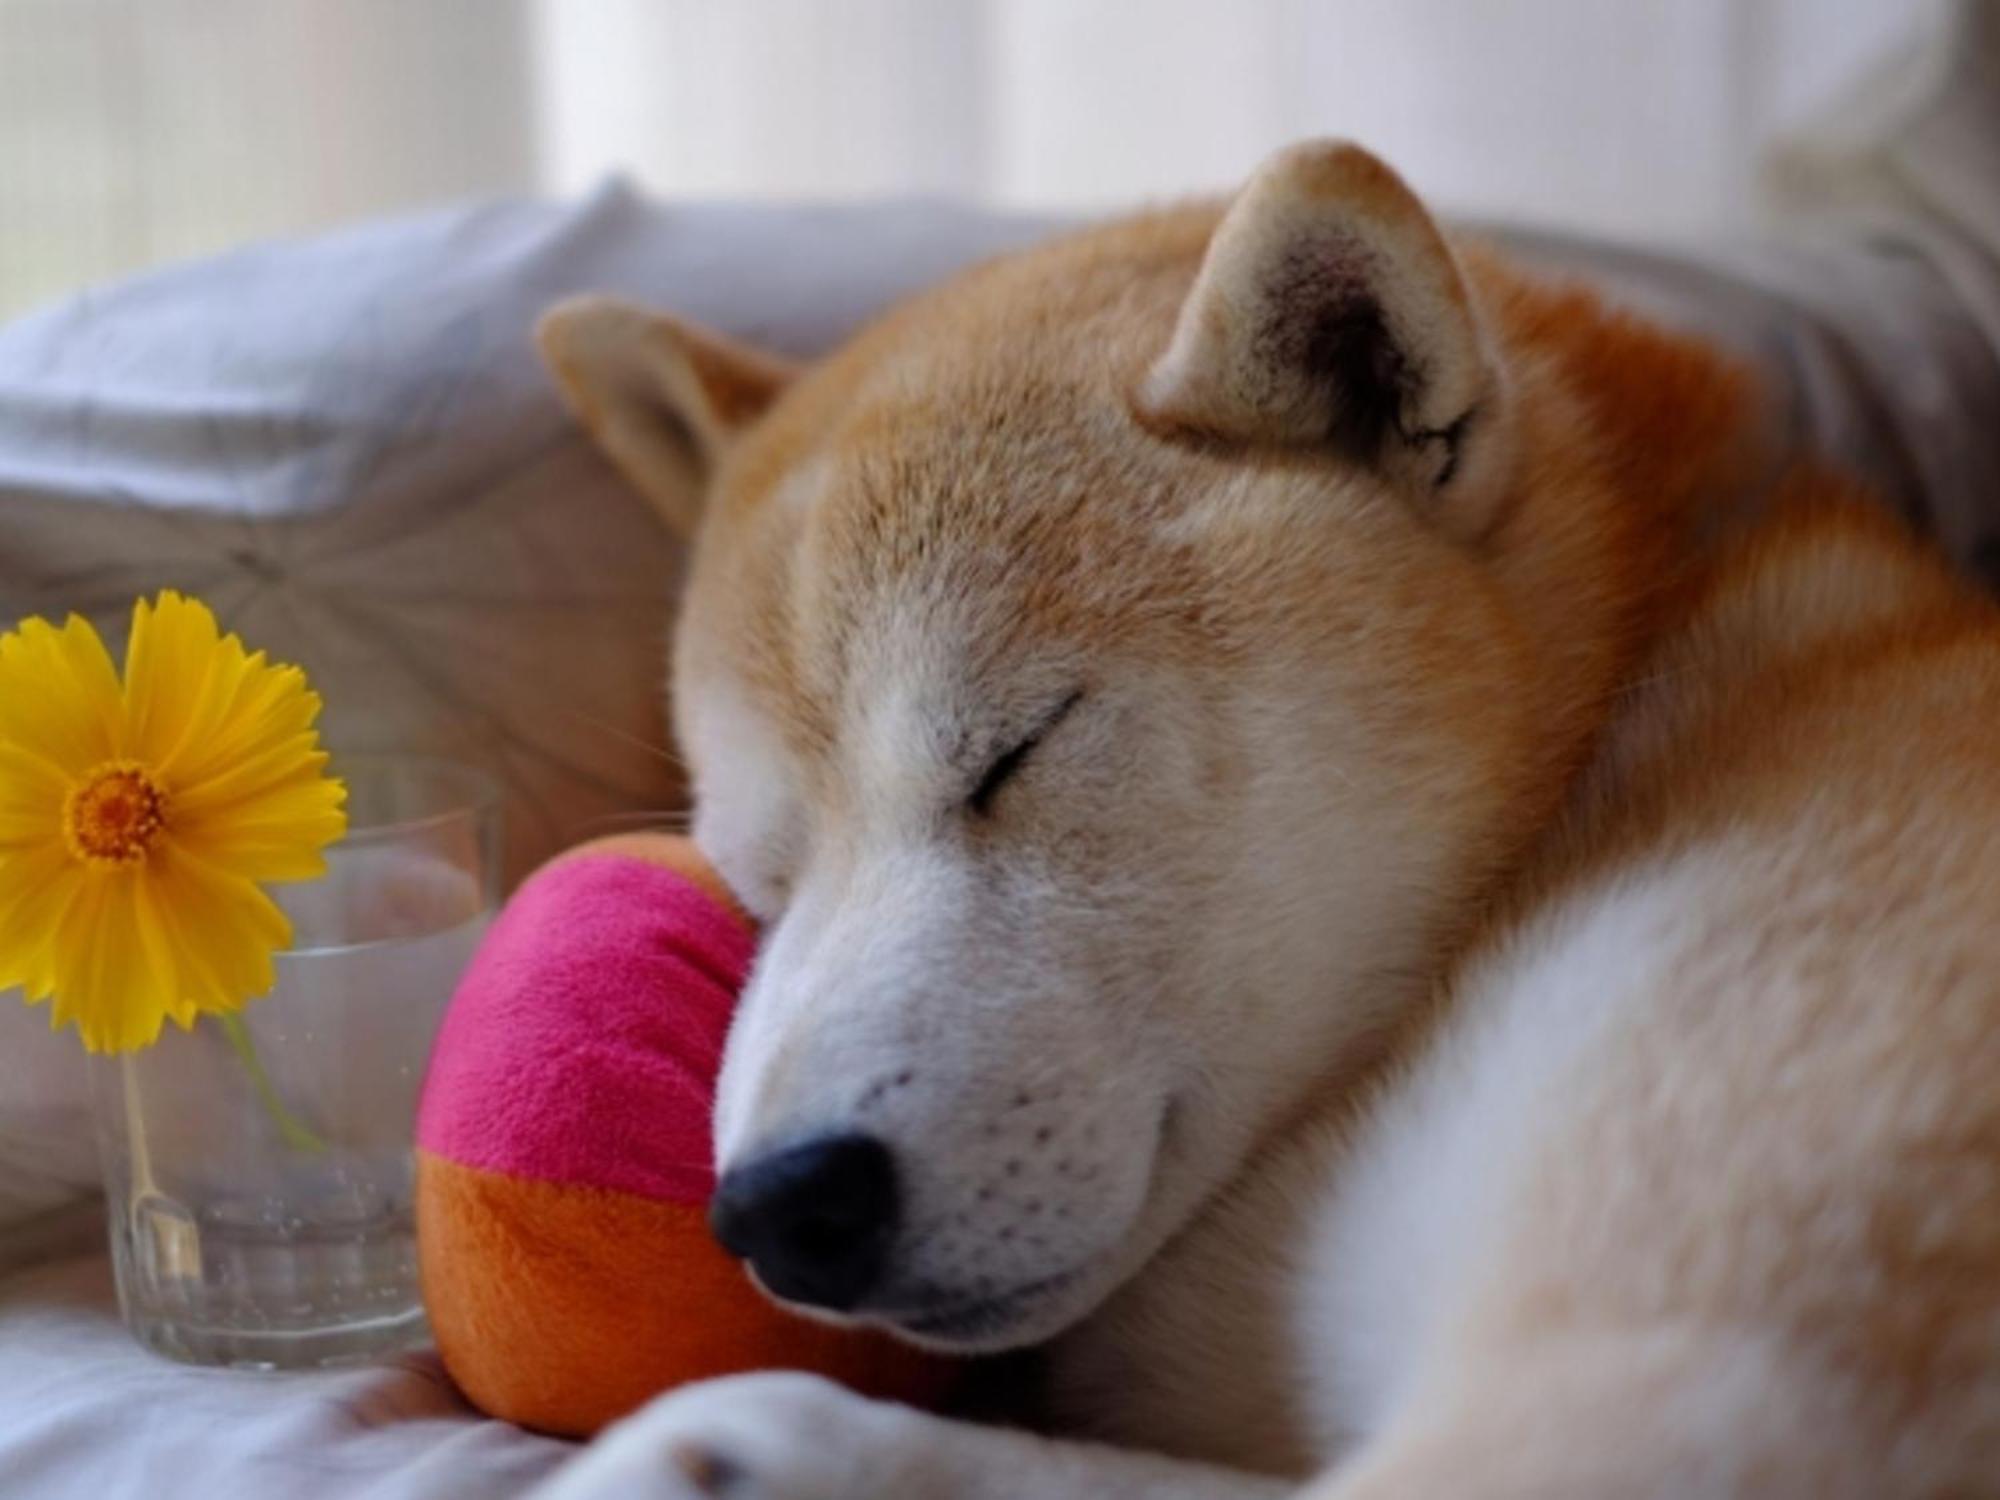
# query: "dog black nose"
815, 1221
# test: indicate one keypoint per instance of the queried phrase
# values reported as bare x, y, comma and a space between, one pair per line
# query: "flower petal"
171, 658
268, 820
201, 703
59, 695
173, 937
38, 885
32, 791
294, 760
104, 980
196, 987
231, 926
270, 707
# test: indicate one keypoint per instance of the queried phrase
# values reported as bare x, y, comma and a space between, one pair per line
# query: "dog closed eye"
1008, 763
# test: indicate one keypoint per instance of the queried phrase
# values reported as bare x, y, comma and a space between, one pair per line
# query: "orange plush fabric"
563, 1308
563, 1162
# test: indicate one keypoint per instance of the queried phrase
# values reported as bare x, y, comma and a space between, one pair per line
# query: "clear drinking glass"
259, 1178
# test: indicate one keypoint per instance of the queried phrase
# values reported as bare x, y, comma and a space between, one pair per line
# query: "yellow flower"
136, 820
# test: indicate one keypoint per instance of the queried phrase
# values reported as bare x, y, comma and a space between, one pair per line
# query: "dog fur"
1410, 900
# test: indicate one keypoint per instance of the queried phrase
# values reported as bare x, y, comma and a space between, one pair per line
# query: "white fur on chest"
1418, 1206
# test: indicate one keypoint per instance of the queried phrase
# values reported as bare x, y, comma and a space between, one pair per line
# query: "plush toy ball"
564, 1159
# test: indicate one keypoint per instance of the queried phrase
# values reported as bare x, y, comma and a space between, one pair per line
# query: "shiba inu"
1345, 844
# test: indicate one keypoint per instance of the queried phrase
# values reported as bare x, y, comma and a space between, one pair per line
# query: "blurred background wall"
136, 131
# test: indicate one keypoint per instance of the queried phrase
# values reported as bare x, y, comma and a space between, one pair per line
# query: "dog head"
1099, 680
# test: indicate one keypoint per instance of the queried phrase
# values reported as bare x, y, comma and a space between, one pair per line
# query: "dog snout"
815, 1221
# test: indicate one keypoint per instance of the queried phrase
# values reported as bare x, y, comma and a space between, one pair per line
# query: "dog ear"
664, 399
1329, 311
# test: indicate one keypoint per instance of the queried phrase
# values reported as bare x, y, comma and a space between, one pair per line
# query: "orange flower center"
112, 816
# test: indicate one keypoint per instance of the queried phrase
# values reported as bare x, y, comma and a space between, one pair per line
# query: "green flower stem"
142, 1155
296, 1135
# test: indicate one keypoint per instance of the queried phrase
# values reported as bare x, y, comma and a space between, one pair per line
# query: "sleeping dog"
1340, 846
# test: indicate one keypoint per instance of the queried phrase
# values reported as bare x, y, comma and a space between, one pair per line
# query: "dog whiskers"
659, 752
663, 820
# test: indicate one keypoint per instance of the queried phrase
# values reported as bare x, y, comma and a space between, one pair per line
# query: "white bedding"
1883, 353
92, 1416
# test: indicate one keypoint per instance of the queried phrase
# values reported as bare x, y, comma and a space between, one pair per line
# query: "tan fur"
1680, 802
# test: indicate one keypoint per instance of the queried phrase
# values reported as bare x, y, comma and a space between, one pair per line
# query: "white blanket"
92, 1416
